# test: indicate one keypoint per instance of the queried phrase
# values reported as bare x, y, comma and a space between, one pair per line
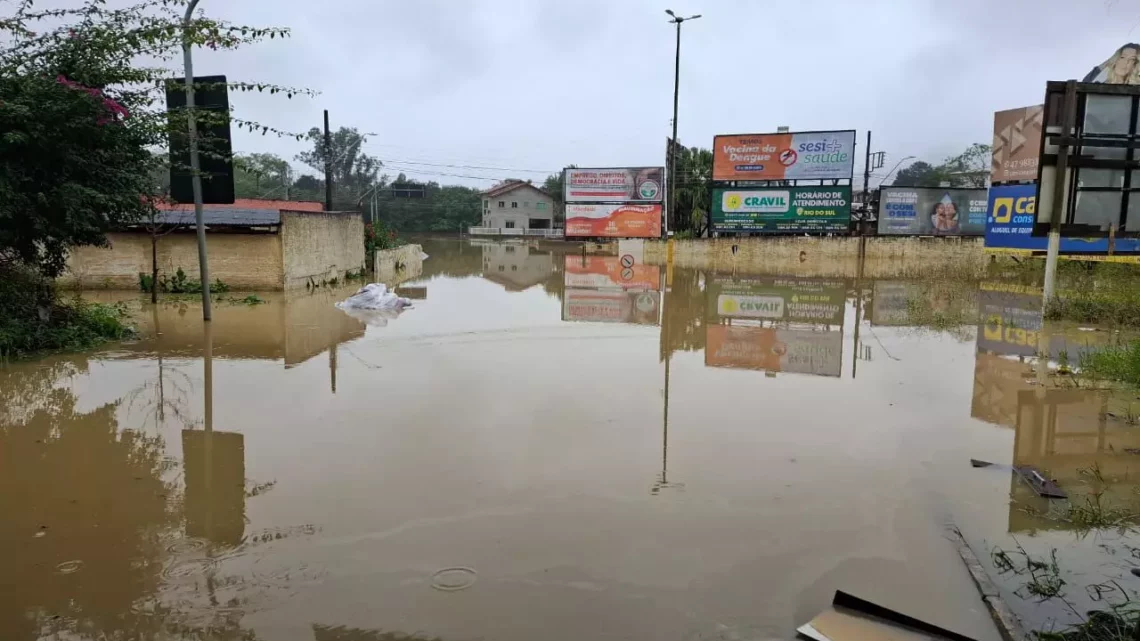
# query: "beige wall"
830, 257
319, 247
241, 260
408, 259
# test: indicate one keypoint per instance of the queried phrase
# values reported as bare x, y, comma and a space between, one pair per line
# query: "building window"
514, 204
540, 206
526, 203
510, 224
501, 203
514, 268
509, 249
501, 267
486, 202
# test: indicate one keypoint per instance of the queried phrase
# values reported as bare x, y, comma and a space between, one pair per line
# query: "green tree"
918, 174
353, 171
694, 179
971, 168
262, 175
79, 116
555, 188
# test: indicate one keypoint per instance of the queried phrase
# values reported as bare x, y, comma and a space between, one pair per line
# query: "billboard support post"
867, 175
1068, 119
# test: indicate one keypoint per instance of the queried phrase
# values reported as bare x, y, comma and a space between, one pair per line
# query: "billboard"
617, 184
809, 155
611, 306
609, 272
782, 209
932, 211
1011, 213
774, 350
1017, 144
788, 299
622, 221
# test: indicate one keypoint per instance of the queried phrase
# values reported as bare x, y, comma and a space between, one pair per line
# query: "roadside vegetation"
34, 317
1087, 292
85, 129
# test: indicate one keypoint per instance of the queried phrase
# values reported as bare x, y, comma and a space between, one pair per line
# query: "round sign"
627, 260
627, 274
648, 190
645, 303
732, 202
788, 157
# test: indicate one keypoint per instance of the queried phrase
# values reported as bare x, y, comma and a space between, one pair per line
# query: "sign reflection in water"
604, 289
775, 324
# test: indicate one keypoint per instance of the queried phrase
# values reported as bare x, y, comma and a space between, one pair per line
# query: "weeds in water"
1115, 363
180, 283
1044, 580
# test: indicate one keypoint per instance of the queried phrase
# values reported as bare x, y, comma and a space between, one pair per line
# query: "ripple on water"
453, 579
182, 546
67, 567
193, 567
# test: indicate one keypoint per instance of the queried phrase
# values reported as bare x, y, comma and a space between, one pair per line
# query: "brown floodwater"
546, 447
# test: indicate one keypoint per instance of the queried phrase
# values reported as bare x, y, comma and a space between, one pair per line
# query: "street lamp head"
670, 12
693, 17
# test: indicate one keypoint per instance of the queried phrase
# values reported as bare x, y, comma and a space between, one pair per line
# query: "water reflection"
602, 289
776, 324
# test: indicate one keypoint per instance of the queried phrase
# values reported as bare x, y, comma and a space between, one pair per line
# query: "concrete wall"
318, 247
241, 260
399, 264
527, 198
886, 257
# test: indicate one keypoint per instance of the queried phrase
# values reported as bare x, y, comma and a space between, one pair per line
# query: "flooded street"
545, 447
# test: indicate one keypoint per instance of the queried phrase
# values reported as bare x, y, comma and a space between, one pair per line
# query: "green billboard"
778, 299
782, 209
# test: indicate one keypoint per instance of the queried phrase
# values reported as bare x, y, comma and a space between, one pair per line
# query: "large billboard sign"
1017, 144
618, 184
785, 299
782, 209
932, 211
774, 350
809, 155
610, 272
611, 306
1011, 213
616, 221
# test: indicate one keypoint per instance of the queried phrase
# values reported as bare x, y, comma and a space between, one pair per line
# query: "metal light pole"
195, 173
893, 169
677, 20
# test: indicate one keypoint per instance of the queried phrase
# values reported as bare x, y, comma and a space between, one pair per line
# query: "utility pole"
328, 165
677, 20
866, 197
1060, 185
195, 168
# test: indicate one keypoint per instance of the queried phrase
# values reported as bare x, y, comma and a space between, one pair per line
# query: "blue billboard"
1011, 213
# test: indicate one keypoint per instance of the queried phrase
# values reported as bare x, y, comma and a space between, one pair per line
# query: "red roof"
252, 203
509, 186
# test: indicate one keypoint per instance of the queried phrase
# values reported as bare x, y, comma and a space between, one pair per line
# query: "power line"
432, 164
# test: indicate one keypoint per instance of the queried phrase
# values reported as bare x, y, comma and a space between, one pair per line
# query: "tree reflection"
83, 504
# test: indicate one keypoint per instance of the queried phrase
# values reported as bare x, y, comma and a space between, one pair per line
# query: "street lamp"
677, 20
895, 167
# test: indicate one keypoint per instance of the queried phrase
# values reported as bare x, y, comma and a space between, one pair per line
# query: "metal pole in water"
1060, 188
195, 173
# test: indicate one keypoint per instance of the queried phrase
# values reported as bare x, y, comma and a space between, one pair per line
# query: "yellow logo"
732, 202
729, 306
1005, 208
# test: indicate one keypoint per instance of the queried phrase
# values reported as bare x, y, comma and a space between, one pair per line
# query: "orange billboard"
808, 155
774, 350
1017, 144
616, 221
610, 272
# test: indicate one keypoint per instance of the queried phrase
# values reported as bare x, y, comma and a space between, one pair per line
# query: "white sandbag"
374, 296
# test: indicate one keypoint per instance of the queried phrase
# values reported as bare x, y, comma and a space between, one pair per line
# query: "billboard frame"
886, 188
661, 200
854, 147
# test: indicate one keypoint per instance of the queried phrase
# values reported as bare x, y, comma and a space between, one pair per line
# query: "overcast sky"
538, 84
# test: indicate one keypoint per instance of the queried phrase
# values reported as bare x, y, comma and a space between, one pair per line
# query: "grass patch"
34, 318
1119, 363
180, 283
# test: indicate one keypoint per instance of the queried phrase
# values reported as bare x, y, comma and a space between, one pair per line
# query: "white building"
517, 205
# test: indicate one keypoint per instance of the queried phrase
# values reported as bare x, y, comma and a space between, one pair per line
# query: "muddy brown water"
545, 447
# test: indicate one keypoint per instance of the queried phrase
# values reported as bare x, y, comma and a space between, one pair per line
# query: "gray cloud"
539, 84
